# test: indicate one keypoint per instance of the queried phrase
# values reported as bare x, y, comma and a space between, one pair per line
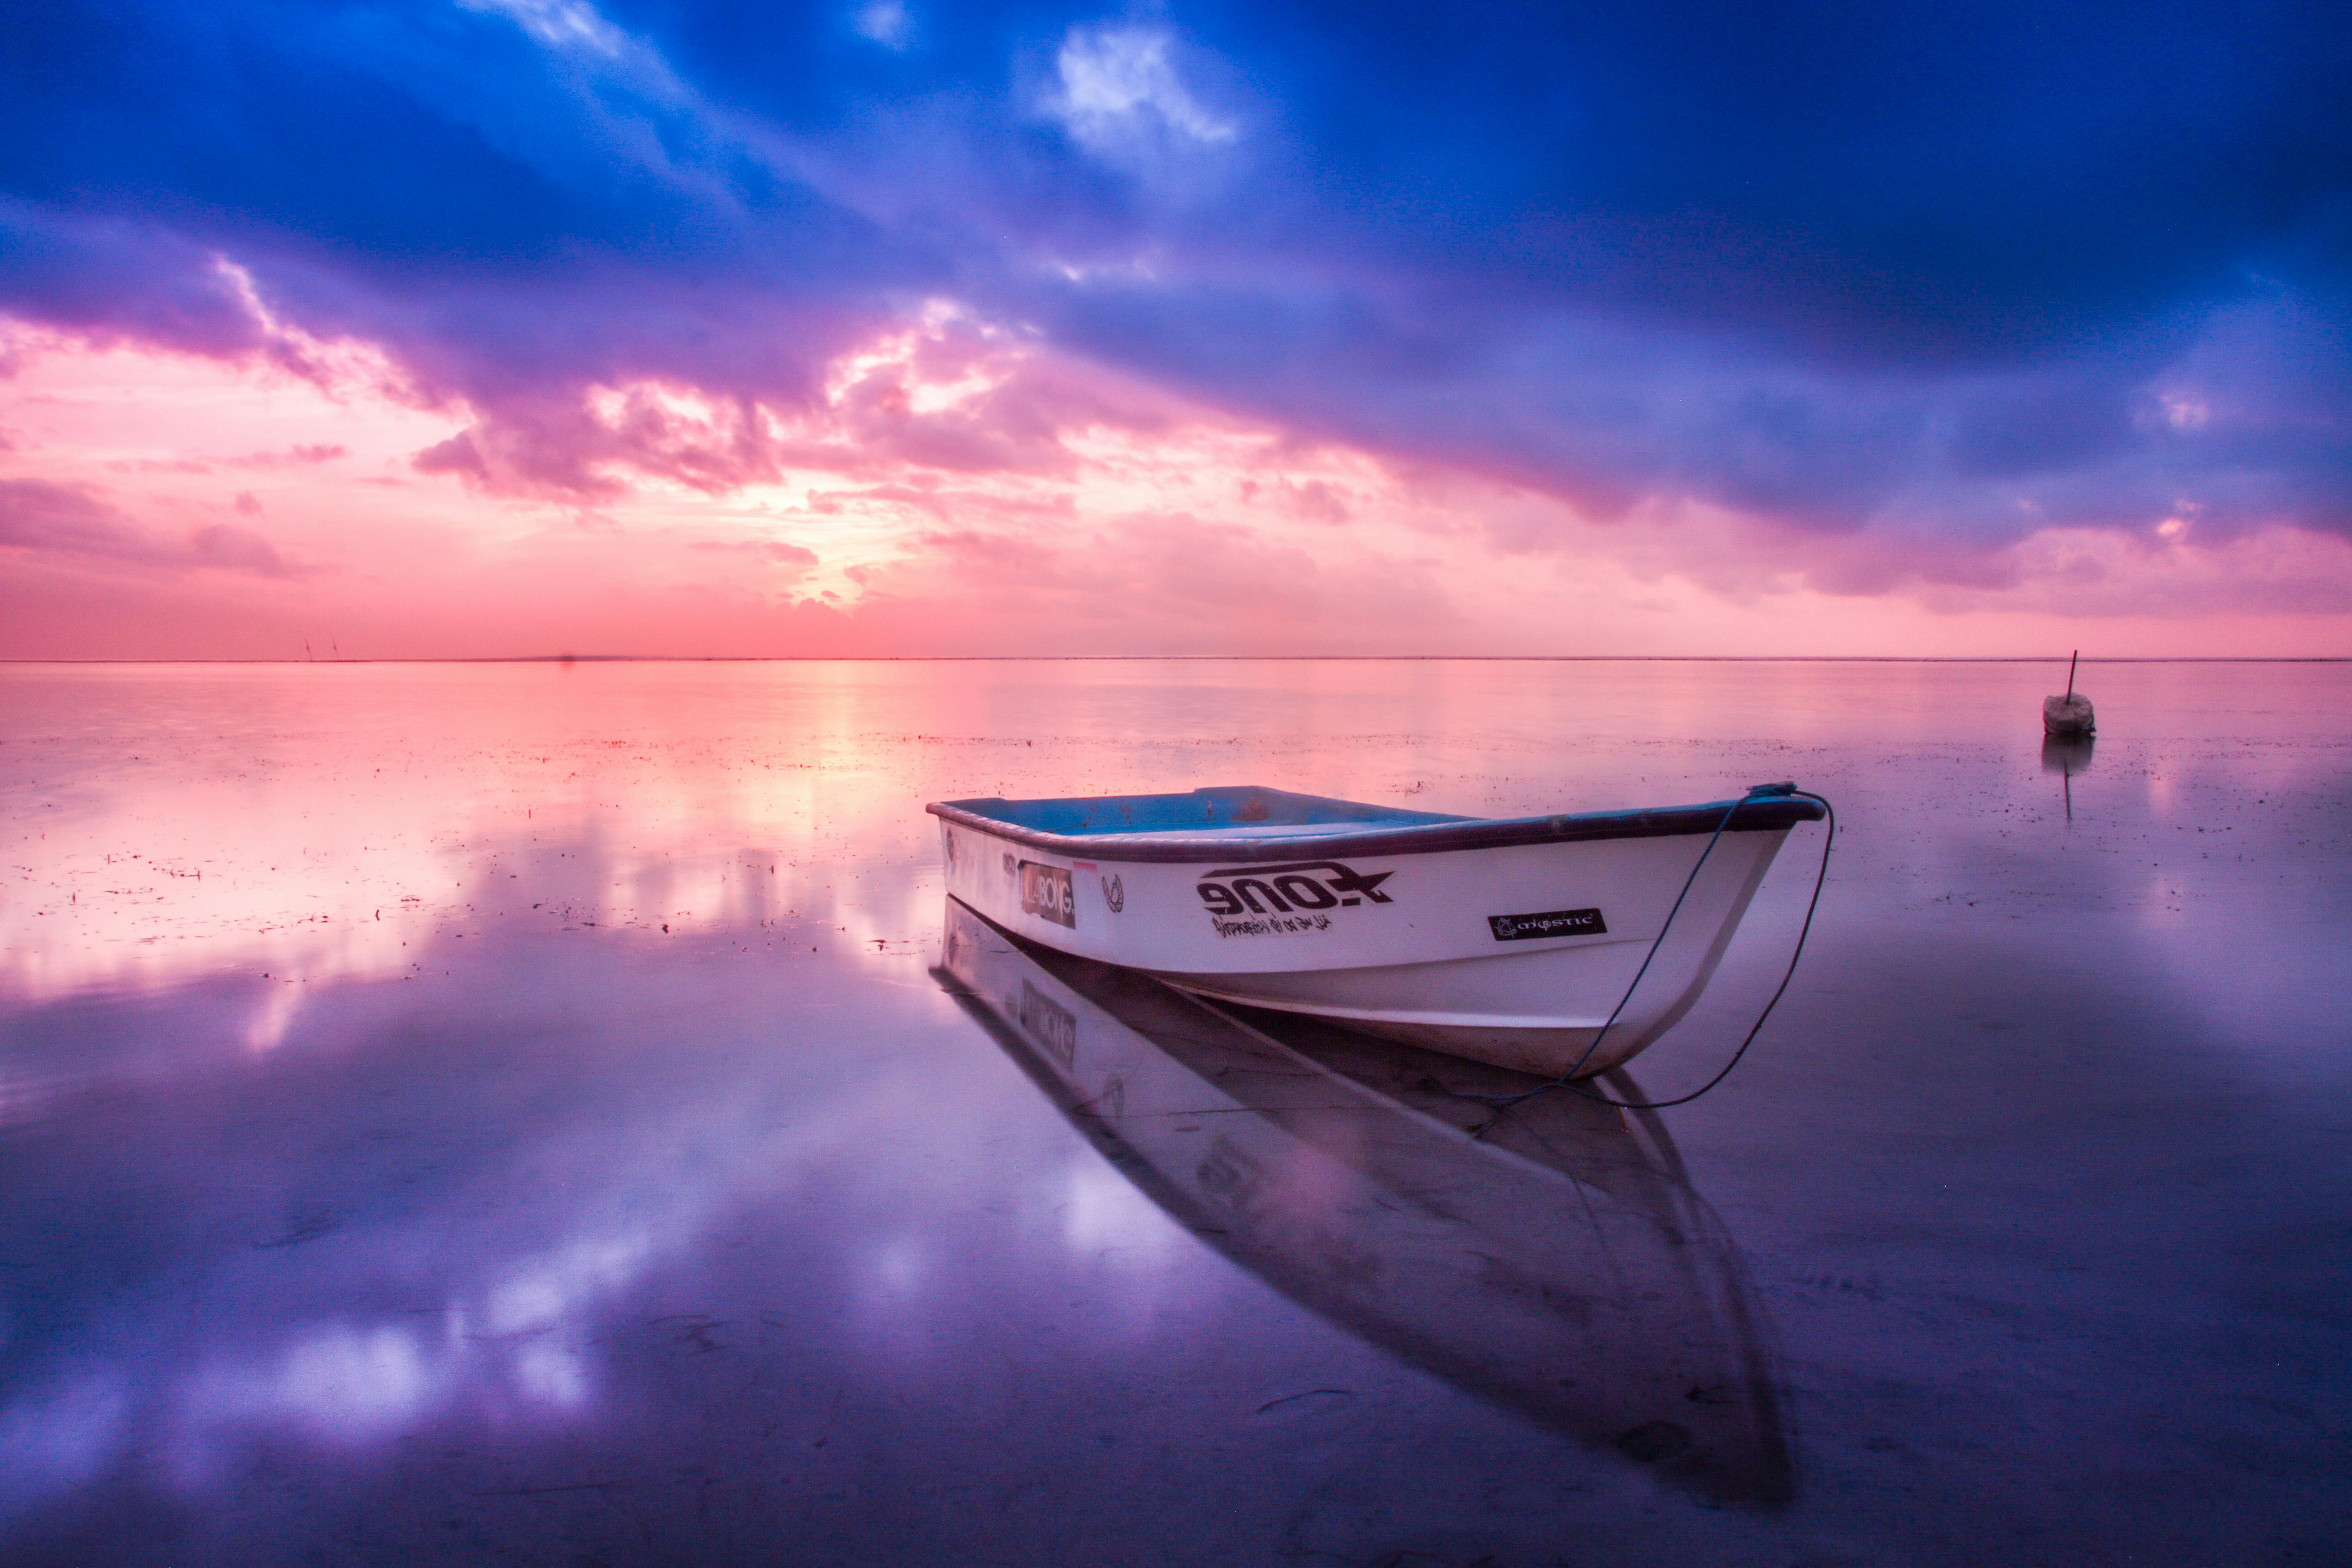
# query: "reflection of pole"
2067, 784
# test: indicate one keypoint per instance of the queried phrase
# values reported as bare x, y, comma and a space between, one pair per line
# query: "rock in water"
2067, 716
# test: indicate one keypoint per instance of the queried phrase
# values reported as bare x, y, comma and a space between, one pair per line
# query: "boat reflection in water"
1551, 1258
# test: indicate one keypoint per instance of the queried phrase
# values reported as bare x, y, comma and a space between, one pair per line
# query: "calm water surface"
531, 1114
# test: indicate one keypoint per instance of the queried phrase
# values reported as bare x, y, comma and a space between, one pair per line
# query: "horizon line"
1231, 658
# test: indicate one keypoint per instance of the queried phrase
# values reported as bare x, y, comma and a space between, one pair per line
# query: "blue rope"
1760, 792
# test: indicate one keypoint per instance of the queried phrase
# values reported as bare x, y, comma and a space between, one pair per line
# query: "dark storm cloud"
1919, 269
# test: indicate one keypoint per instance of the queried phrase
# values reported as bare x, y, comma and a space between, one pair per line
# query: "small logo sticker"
1558, 922
1045, 893
1113, 893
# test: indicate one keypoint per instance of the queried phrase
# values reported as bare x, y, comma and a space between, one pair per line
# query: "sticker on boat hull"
1285, 899
1045, 893
1269, 925
1557, 922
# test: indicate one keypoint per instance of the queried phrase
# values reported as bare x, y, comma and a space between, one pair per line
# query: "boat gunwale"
1759, 814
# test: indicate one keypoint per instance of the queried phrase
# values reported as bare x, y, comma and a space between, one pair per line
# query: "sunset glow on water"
536, 1075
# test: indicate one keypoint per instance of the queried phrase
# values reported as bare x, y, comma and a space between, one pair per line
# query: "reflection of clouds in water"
1101, 1210
339, 1380
541, 1292
266, 1030
553, 1374
146, 934
57, 1439
417, 1224
512, 1347
518, 1346
344, 1381
337, 822
375, 810
1108, 1224
729, 895
581, 1112
891, 1272
1114, 1233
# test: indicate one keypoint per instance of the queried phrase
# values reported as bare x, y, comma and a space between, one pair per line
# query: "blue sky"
1883, 292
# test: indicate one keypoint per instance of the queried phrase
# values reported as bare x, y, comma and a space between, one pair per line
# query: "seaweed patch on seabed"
1270, 925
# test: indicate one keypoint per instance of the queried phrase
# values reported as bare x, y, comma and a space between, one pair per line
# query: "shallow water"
528, 1113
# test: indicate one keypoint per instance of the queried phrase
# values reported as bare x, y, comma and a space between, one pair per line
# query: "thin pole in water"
2070, 673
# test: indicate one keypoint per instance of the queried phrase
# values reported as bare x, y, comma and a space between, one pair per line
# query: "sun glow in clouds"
956, 486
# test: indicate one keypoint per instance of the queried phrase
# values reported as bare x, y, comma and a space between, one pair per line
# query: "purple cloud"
69, 523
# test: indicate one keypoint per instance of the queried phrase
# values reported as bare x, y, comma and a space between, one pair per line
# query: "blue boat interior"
1226, 807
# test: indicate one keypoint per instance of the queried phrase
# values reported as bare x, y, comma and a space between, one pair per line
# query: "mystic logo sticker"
1286, 900
1114, 893
1558, 922
1045, 892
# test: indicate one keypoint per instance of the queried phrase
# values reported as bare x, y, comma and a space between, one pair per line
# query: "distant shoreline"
1241, 658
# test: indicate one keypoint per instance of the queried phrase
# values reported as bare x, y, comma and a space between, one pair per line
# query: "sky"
496, 328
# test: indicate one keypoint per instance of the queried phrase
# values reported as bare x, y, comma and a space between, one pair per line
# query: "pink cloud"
71, 524
955, 488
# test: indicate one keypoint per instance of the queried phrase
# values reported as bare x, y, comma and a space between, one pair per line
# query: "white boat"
1553, 1259
1513, 941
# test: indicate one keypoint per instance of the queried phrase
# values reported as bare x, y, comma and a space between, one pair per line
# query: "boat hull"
1513, 954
